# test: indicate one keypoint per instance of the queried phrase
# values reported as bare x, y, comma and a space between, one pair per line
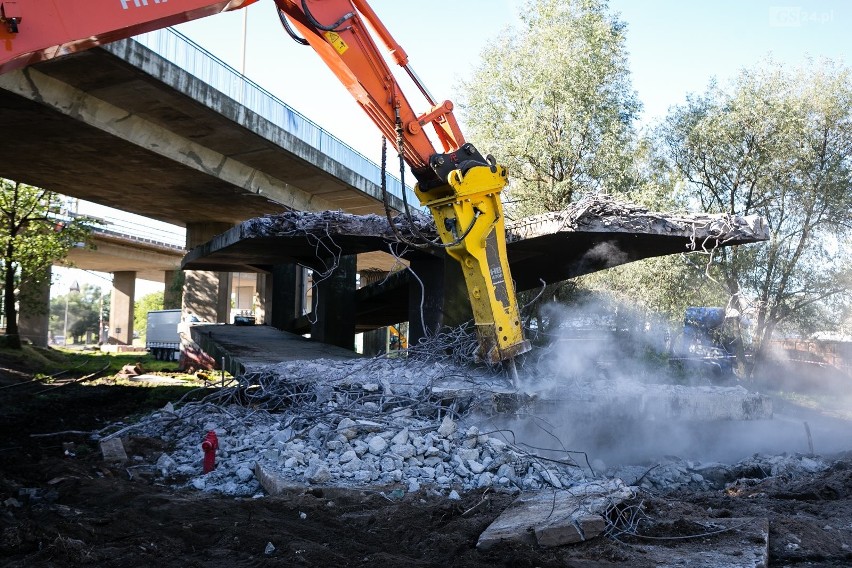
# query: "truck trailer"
162, 339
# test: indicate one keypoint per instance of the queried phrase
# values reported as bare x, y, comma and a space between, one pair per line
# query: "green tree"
148, 302
86, 309
553, 101
33, 235
777, 143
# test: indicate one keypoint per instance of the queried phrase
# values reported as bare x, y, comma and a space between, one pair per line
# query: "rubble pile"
679, 474
397, 425
382, 422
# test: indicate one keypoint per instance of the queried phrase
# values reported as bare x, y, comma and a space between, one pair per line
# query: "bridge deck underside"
549, 248
158, 142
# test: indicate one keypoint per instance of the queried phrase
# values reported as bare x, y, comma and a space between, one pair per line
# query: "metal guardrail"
194, 59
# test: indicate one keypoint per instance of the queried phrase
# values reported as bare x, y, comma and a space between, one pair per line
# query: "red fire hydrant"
210, 445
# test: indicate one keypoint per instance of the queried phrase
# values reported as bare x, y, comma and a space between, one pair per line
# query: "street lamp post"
101, 319
74, 288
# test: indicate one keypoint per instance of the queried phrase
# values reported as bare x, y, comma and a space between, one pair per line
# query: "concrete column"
174, 290
334, 310
285, 295
375, 342
34, 314
263, 299
444, 296
206, 294
121, 308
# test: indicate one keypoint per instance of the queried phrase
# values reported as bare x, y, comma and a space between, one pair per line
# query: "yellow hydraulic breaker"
469, 218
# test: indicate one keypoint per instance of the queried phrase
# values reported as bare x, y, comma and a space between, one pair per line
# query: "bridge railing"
131, 228
195, 60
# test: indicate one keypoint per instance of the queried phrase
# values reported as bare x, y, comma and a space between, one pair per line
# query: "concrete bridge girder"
160, 140
106, 254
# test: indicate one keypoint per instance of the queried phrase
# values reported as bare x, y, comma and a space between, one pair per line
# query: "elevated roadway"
124, 127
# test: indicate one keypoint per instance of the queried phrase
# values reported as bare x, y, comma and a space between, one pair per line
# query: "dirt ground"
61, 505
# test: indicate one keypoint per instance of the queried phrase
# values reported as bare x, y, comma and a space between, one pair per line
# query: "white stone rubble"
341, 423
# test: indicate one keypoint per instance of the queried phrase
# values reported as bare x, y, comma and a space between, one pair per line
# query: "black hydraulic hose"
387, 205
333, 27
405, 200
290, 31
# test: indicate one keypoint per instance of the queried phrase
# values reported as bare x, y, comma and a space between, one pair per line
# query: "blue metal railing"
194, 59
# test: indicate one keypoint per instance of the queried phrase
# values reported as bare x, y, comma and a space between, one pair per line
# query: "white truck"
161, 338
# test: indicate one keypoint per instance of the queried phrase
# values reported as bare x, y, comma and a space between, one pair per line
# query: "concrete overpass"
193, 144
126, 128
128, 257
109, 251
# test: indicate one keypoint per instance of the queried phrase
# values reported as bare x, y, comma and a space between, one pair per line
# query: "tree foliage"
777, 143
86, 309
553, 101
148, 302
33, 235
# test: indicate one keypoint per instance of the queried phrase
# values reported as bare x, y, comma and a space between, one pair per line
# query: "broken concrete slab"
275, 485
302, 237
245, 349
556, 518
113, 451
599, 232
594, 234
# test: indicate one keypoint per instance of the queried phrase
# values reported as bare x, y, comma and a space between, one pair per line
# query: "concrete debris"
677, 474
113, 450
130, 371
332, 223
601, 213
334, 423
556, 518
380, 423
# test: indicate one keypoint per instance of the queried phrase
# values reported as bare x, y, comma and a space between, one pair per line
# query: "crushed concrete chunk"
447, 427
556, 518
346, 427
113, 450
377, 445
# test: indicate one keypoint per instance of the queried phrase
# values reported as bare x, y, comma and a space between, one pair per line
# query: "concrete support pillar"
121, 308
334, 310
263, 299
206, 295
444, 297
34, 314
285, 295
375, 342
174, 290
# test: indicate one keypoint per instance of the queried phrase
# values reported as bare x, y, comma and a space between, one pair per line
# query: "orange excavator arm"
338, 31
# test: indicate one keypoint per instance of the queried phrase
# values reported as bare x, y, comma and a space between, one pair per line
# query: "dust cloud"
604, 386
